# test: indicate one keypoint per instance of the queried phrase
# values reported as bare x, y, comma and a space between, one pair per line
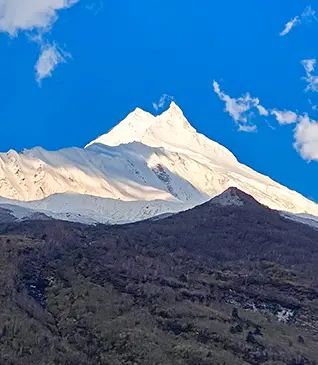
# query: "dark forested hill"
222, 284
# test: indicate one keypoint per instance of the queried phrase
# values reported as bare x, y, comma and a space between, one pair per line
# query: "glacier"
145, 166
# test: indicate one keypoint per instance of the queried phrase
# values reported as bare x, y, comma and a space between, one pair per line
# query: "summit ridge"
145, 166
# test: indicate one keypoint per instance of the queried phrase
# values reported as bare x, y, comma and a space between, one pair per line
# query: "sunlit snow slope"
162, 160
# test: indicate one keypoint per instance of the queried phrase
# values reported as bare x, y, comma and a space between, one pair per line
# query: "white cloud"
309, 65
312, 83
312, 80
37, 17
290, 25
26, 15
50, 57
262, 110
247, 128
308, 15
313, 106
306, 138
285, 116
305, 133
163, 101
241, 109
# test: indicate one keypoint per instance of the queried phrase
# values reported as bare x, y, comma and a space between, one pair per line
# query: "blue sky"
118, 55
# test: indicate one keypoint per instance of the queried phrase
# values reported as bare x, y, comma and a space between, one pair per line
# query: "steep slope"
89, 209
143, 159
170, 130
128, 172
210, 167
225, 283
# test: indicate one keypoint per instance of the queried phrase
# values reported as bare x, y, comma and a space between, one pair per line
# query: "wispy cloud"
163, 101
241, 109
308, 15
309, 65
306, 138
311, 80
35, 17
243, 112
290, 25
51, 56
285, 116
95, 7
247, 128
262, 110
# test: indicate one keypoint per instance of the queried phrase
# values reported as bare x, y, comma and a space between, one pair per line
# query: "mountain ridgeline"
145, 166
230, 282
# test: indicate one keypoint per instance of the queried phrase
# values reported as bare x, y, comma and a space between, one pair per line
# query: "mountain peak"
169, 130
175, 109
140, 124
169, 168
233, 197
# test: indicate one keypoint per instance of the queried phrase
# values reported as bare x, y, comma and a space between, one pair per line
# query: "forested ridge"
230, 285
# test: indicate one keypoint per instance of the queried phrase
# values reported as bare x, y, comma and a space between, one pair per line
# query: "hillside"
227, 283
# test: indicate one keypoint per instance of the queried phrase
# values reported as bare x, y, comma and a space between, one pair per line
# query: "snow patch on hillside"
229, 197
89, 209
307, 219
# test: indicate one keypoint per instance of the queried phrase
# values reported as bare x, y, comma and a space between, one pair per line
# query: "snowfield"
145, 166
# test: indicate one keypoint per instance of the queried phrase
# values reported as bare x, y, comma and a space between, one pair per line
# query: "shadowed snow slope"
89, 209
162, 160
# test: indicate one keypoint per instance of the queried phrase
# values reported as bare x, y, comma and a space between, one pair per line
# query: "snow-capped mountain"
145, 166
